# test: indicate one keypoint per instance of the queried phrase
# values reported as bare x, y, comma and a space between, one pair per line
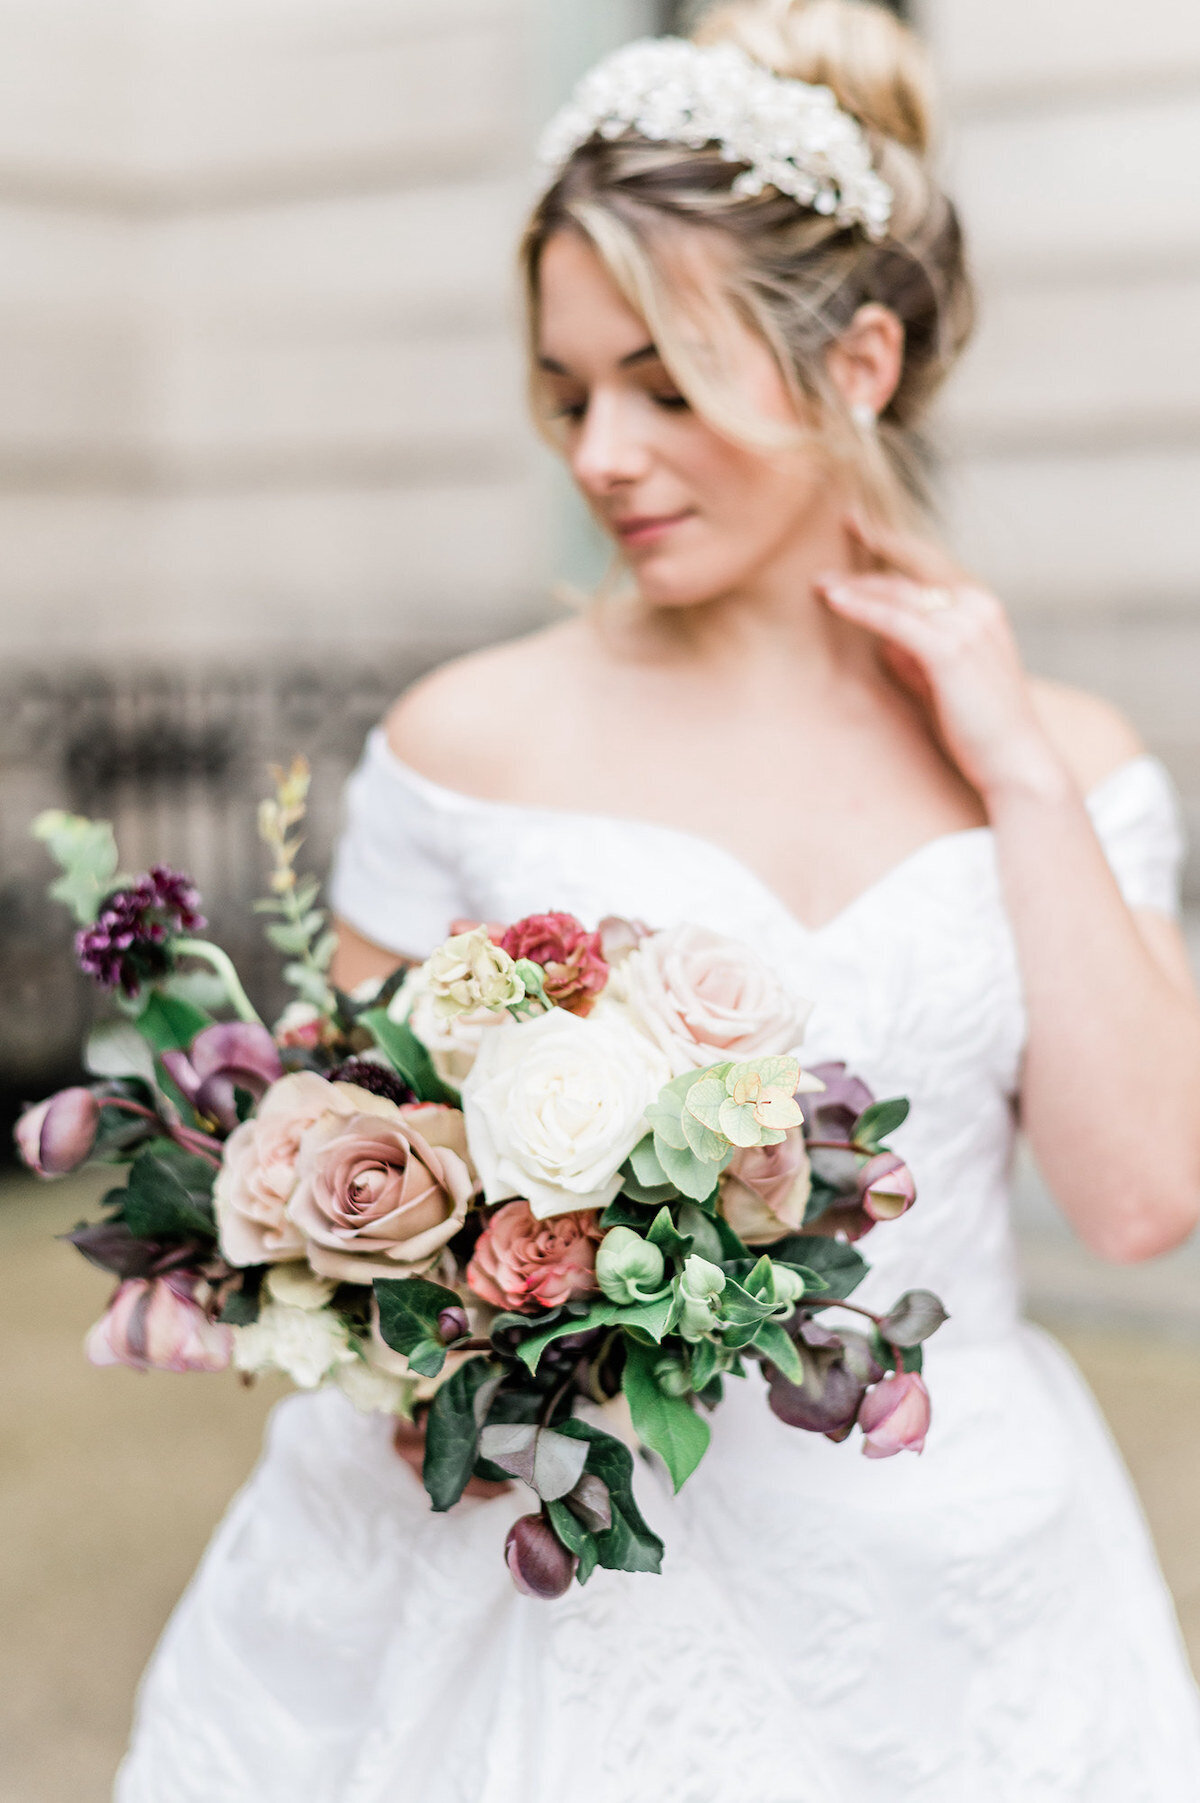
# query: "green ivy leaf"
408, 1057
456, 1418
408, 1319
875, 1123
693, 1177
169, 1195
668, 1425
629, 1544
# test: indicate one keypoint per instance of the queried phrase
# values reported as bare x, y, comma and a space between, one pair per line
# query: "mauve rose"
58, 1134
573, 964
765, 1190
258, 1167
523, 1263
156, 1324
703, 999
379, 1193
895, 1416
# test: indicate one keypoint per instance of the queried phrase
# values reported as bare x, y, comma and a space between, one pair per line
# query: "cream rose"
380, 1192
258, 1168
555, 1105
470, 971
703, 999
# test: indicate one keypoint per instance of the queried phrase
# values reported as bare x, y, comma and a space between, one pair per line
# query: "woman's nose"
609, 449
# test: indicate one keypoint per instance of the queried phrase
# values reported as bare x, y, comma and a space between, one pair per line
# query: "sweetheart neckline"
712, 847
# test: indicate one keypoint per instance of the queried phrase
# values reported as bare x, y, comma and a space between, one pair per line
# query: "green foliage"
646, 1321
86, 853
408, 1320
629, 1544
452, 1431
169, 1195
408, 1057
875, 1123
549, 1462
668, 1425
775, 1343
840, 1267
169, 1024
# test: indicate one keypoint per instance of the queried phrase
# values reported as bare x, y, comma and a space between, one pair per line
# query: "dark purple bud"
453, 1325
828, 1399
112, 1247
60, 1133
127, 944
540, 1564
832, 1112
886, 1187
375, 1078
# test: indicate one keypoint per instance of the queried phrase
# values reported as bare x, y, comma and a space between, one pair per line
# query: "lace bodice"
915, 982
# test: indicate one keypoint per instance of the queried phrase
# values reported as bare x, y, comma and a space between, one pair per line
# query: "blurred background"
263, 458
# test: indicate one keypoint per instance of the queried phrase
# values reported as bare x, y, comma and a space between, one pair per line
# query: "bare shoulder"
1093, 737
465, 724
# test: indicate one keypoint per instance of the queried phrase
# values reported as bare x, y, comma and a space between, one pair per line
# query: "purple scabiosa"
129, 942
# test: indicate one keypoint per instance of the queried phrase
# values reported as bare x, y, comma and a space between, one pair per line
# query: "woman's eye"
674, 403
570, 410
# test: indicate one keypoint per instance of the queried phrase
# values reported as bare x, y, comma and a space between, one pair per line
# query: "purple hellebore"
58, 1135
224, 1058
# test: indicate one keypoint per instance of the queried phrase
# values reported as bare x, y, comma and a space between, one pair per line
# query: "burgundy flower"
224, 1058
375, 1078
128, 944
571, 958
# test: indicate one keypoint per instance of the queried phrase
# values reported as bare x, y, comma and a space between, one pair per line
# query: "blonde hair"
663, 219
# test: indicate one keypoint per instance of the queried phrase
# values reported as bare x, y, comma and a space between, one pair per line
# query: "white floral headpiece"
792, 135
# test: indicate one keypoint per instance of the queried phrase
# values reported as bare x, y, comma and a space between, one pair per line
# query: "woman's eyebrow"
646, 353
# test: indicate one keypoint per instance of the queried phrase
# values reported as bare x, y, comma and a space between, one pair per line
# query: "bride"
796, 721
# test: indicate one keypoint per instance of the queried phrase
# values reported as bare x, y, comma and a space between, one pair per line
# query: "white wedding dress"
983, 1624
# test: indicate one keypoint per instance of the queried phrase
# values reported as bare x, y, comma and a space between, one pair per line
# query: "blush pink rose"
380, 1192
703, 999
527, 1264
571, 958
765, 1190
258, 1168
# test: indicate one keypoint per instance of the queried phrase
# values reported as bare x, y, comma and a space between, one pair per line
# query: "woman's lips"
646, 528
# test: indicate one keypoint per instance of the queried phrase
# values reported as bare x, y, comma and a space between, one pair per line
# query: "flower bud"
629, 1269
886, 1186
789, 1285
895, 1416
453, 1325
700, 1289
156, 1324
59, 1134
671, 1378
540, 1564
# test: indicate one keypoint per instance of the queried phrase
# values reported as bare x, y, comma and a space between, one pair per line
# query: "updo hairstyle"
793, 275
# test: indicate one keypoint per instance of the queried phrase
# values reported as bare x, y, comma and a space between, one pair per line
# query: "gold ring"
933, 600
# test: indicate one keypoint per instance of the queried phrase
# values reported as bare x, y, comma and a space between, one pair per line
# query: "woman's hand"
950, 643
409, 1441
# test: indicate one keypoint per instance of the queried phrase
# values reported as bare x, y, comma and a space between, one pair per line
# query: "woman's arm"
1110, 1093
357, 959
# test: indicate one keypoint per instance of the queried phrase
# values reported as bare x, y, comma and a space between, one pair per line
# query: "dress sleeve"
1139, 822
394, 878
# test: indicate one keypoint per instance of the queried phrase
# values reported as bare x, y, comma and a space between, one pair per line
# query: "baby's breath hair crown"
791, 135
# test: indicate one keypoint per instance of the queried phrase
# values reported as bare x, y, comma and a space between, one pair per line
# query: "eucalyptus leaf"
643, 1162
692, 1176
549, 1462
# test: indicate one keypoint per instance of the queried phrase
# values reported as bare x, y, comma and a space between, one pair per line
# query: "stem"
837, 1145
856, 1308
197, 1143
223, 965
548, 1411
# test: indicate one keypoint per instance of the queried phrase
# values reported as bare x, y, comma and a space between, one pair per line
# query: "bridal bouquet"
553, 1181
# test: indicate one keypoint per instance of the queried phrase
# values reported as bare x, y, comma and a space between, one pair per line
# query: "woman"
800, 724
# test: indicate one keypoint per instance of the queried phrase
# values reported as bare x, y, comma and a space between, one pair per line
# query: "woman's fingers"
883, 605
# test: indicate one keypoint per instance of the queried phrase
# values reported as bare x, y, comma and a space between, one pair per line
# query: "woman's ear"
866, 362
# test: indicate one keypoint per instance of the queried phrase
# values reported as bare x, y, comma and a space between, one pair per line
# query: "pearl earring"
864, 416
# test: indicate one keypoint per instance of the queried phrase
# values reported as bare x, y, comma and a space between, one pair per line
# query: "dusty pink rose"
523, 1263
765, 1190
156, 1324
571, 958
380, 1192
258, 1168
58, 1135
703, 998
895, 1416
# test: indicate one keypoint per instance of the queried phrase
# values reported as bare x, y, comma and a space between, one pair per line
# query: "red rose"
571, 957
523, 1263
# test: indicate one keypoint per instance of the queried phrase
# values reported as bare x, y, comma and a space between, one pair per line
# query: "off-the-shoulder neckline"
441, 794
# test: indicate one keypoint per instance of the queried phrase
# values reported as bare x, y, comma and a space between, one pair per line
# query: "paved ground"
110, 1483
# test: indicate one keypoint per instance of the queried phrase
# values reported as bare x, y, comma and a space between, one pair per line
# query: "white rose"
555, 1105
704, 999
306, 1344
452, 1043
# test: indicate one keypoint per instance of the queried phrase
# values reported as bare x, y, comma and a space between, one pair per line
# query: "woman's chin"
661, 583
